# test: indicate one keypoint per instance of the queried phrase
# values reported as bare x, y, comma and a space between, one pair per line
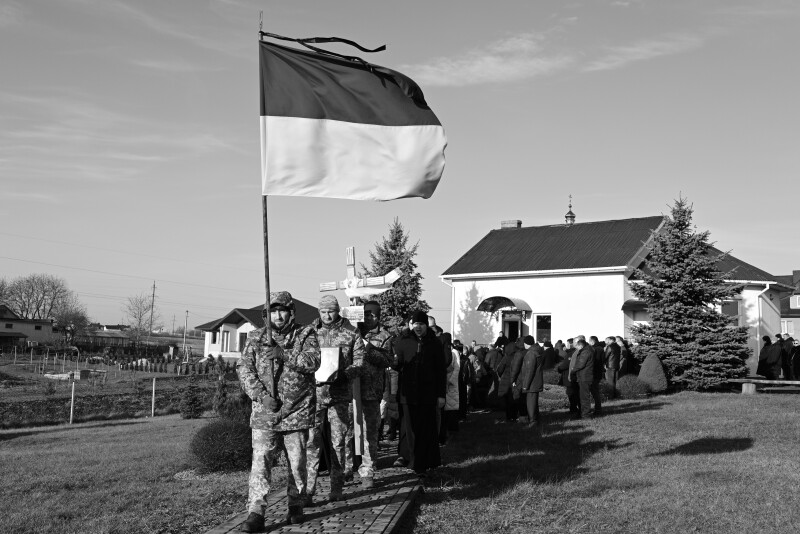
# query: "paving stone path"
379, 510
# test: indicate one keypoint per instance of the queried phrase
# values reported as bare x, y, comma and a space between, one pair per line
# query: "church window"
731, 308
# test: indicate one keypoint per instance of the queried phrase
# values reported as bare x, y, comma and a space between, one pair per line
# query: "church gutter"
519, 274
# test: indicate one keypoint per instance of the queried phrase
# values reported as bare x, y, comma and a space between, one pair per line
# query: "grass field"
689, 462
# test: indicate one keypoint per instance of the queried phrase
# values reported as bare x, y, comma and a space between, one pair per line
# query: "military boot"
295, 516
253, 523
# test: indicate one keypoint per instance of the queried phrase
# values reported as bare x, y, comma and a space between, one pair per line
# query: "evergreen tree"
398, 303
473, 324
191, 405
699, 346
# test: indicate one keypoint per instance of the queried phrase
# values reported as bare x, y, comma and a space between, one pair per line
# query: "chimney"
569, 217
510, 225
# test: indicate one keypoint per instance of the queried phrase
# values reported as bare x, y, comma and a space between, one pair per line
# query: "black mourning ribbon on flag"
305, 40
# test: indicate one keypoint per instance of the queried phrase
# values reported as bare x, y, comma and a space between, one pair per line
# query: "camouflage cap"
281, 298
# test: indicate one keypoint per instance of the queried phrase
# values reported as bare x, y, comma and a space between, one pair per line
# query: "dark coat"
599, 361
493, 358
563, 368
422, 374
769, 361
550, 356
531, 376
794, 362
584, 365
611, 356
509, 368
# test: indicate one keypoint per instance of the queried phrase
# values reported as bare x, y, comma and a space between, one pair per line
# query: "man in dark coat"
582, 371
422, 387
531, 378
570, 386
508, 370
786, 365
611, 355
599, 372
769, 359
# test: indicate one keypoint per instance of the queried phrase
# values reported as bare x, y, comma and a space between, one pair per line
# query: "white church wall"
589, 304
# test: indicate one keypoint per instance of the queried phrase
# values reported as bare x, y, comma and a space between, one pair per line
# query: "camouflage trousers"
266, 448
339, 419
371, 424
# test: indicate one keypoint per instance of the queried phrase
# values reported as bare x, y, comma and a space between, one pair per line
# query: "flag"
339, 128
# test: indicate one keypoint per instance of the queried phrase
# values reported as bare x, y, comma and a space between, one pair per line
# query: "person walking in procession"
531, 378
278, 376
422, 382
582, 371
334, 398
378, 355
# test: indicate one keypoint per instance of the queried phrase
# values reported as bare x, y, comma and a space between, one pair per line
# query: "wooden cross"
355, 287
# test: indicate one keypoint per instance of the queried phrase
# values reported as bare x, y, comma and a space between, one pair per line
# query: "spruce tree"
398, 303
699, 346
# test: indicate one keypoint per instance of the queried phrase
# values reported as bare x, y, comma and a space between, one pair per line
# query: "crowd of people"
779, 359
415, 385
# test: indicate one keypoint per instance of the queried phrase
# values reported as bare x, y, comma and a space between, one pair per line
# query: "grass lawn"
683, 463
690, 462
111, 477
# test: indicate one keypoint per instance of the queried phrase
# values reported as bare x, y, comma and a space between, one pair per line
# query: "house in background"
15, 330
226, 336
790, 305
558, 281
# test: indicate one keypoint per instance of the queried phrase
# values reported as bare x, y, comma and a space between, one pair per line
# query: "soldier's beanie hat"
372, 305
528, 340
419, 317
281, 298
328, 302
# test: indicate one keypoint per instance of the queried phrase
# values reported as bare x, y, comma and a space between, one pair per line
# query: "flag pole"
266, 268
265, 313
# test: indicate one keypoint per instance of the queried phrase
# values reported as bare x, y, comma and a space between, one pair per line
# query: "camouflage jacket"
378, 355
288, 377
341, 334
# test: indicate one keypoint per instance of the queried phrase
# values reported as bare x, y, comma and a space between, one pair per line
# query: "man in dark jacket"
599, 372
508, 370
570, 386
582, 371
611, 355
531, 378
422, 387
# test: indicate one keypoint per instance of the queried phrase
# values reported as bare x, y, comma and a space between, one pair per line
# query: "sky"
129, 137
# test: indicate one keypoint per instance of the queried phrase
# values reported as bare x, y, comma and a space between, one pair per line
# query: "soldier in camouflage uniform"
377, 357
334, 399
278, 375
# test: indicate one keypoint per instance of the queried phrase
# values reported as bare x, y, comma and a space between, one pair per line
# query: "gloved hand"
272, 351
440, 402
271, 404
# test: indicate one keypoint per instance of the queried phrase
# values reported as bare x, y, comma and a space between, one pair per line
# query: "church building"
555, 282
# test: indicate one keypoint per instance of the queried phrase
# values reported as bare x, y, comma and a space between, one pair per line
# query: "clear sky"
129, 137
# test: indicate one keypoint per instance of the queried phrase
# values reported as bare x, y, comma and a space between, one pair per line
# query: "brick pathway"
376, 511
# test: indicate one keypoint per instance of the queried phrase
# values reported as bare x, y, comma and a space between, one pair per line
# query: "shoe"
308, 501
400, 462
532, 424
348, 476
253, 523
500, 421
335, 497
295, 515
524, 419
367, 482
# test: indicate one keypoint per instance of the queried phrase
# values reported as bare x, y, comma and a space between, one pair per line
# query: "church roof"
304, 314
588, 245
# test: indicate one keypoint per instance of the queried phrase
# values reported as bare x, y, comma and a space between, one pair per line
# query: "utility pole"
152, 306
185, 324
173, 324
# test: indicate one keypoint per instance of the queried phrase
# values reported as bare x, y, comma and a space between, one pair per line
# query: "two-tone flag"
339, 128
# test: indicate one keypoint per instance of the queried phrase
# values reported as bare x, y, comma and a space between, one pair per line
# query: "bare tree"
36, 296
71, 317
137, 309
3, 291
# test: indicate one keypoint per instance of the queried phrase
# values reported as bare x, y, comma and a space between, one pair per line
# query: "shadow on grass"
709, 446
9, 435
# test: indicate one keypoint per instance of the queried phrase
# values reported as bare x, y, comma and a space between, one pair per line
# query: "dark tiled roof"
304, 314
544, 248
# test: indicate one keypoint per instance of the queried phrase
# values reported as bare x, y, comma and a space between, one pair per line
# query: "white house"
558, 281
790, 305
227, 335
15, 330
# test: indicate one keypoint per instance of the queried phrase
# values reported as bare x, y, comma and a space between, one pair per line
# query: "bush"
606, 390
222, 445
652, 374
220, 397
631, 387
237, 407
192, 405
